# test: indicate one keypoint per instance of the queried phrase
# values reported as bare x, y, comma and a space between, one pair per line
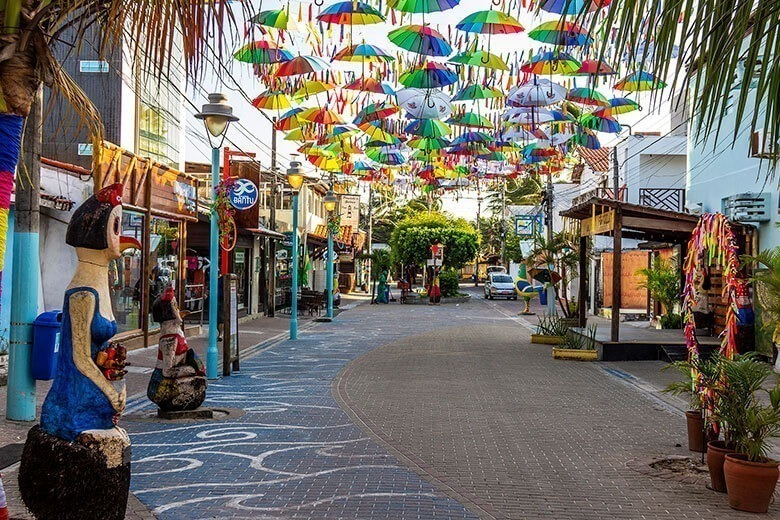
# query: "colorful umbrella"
528, 115
272, 101
551, 62
477, 91
322, 116
586, 140
262, 52
329, 164
376, 112
276, 18
301, 65
389, 155
429, 75
311, 88
490, 22
361, 168
594, 68
618, 106
422, 6
558, 32
480, 58
370, 85
426, 155
424, 103
289, 120
600, 124
345, 146
362, 53
341, 132
587, 96
429, 143
302, 133
569, 7
473, 137
420, 39
468, 149
537, 93
470, 119
638, 82
492, 156
375, 132
428, 128
350, 13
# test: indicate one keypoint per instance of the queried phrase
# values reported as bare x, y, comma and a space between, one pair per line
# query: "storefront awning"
264, 231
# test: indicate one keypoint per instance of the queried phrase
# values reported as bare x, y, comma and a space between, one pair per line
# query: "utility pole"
271, 282
369, 241
615, 175
549, 218
479, 232
503, 222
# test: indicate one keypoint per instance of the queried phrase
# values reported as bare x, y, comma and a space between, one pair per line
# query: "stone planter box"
546, 340
416, 300
575, 354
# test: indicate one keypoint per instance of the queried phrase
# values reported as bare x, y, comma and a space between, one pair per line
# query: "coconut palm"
519, 192
148, 29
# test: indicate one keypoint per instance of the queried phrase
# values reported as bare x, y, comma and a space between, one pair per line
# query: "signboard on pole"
528, 226
349, 211
230, 324
598, 224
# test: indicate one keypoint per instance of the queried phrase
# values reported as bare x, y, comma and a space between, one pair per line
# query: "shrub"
671, 320
449, 281
552, 326
585, 340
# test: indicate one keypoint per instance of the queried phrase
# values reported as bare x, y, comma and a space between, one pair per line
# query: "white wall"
651, 162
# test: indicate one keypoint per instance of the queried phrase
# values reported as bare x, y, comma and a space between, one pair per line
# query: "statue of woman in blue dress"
77, 463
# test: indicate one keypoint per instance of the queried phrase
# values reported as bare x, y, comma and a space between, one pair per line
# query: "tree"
525, 191
388, 213
562, 253
412, 239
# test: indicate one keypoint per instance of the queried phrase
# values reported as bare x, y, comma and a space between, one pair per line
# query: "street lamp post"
217, 116
295, 180
330, 201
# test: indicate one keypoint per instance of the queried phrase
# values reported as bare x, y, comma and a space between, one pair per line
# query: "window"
124, 277
85, 148
93, 66
164, 260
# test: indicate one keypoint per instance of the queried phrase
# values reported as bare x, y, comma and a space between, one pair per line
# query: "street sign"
598, 224
244, 194
528, 226
349, 211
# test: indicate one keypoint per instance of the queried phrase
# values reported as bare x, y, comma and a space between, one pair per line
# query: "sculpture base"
67, 480
174, 395
198, 413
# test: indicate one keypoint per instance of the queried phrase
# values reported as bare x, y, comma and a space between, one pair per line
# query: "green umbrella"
476, 91
420, 39
430, 75
490, 22
480, 58
428, 128
276, 18
470, 119
422, 6
428, 143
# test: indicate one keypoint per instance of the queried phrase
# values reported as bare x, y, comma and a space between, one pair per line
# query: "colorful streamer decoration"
11, 127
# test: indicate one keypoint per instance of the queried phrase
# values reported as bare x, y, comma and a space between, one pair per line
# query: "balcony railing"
600, 193
670, 199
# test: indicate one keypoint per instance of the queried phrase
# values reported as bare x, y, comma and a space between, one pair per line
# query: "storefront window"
124, 277
241, 267
163, 259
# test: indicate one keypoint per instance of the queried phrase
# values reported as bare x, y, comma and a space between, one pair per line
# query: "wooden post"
582, 297
617, 245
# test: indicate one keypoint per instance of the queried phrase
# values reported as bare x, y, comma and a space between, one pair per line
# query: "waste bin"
542, 295
46, 344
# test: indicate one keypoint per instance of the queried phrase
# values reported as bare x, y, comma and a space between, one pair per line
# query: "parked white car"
500, 285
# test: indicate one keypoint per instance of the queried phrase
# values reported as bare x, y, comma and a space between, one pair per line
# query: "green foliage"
525, 191
388, 212
412, 238
671, 320
381, 260
582, 341
562, 252
702, 391
768, 287
449, 282
552, 326
663, 282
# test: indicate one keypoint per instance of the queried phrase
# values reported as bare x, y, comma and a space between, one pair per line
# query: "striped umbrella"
587, 96
561, 32
276, 18
638, 82
301, 65
350, 13
429, 75
370, 85
362, 53
422, 6
477, 91
269, 100
420, 39
262, 52
490, 22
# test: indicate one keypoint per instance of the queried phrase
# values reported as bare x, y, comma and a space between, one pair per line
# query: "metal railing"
670, 199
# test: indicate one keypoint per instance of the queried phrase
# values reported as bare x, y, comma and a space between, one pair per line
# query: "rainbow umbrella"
350, 13
470, 119
638, 82
594, 68
468, 149
262, 52
345, 146
473, 137
490, 22
329, 164
362, 53
618, 106
269, 100
370, 85
301, 65
315, 150
429, 75
429, 143
492, 156
376, 112
289, 120
431, 128
480, 58
420, 39
361, 167
311, 88
558, 32
426, 155
586, 140
341, 132
276, 18
375, 132
587, 96
302, 133
551, 62
570, 7
389, 155
600, 124
422, 6
477, 91
321, 115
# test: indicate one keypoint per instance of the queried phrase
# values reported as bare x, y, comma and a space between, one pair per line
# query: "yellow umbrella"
272, 100
312, 88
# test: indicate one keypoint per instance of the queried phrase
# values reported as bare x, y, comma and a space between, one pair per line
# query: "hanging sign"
244, 194
528, 226
598, 224
349, 211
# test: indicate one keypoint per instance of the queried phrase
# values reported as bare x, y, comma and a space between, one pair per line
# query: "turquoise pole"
329, 274
212, 354
24, 295
294, 288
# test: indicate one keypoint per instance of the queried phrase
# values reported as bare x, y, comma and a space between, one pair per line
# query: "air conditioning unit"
747, 207
761, 145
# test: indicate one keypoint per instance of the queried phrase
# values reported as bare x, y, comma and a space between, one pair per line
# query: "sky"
252, 133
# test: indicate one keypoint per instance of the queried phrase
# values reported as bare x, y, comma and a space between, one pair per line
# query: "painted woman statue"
179, 379
76, 464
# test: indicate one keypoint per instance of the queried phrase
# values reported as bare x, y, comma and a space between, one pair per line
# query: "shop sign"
528, 226
598, 224
239, 257
349, 211
186, 196
244, 194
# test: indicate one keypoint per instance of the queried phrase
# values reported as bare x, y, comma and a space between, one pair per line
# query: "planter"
696, 440
716, 456
575, 354
546, 340
750, 484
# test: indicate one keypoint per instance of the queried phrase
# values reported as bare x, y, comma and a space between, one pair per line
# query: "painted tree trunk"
11, 127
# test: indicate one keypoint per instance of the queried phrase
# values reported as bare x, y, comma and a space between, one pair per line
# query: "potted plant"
662, 280
550, 330
750, 423
700, 379
578, 346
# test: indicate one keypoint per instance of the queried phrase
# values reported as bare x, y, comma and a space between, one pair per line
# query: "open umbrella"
272, 101
321, 115
341, 132
572, 6
473, 137
276, 18
617, 106
424, 103
600, 124
362, 53
429, 143
311, 88
470, 119
375, 112
289, 120
480, 58
422, 6
350, 13
429, 75
560, 32
490, 22
389, 155
638, 82
375, 132
594, 68
370, 85
551, 62
537, 93
428, 128
587, 96
477, 91
420, 39
262, 52
586, 139
301, 65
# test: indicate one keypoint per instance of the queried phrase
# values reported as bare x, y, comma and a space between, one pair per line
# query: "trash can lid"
49, 318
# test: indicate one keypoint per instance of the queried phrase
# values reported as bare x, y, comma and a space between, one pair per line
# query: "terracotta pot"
716, 456
696, 439
750, 484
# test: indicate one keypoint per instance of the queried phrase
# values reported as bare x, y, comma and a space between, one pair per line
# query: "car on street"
500, 285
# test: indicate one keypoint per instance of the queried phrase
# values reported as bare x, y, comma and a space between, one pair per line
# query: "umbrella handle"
496, 2
485, 58
319, 3
431, 103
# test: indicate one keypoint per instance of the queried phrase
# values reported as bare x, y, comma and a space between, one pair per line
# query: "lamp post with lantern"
330, 201
217, 116
295, 180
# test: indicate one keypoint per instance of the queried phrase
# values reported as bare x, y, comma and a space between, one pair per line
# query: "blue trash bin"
542, 295
46, 345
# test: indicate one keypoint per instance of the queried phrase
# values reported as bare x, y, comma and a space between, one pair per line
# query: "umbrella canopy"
362, 52
540, 92
272, 101
375, 132
563, 33
276, 18
262, 52
311, 88
638, 82
586, 140
388, 155
468, 149
528, 115
617, 106
473, 137
376, 112
424, 103
345, 146
490, 22
289, 120
594, 68
431, 128
302, 133
492, 156
329, 164
470, 119
420, 39
361, 168
572, 6
301, 65
341, 132
422, 6
600, 124
429, 75
480, 58
429, 143
477, 91
350, 13
370, 85
322, 116
551, 62
587, 96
